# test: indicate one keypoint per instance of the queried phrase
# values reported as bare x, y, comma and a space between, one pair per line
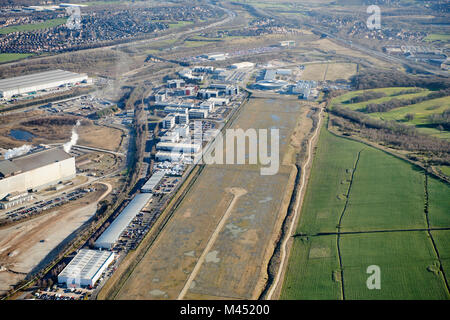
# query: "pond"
21, 135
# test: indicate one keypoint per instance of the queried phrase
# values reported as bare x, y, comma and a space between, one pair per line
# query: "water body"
21, 135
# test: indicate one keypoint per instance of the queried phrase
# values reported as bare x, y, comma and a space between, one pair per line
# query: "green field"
34, 26
438, 37
442, 240
312, 278
8, 57
390, 92
180, 24
192, 44
421, 111
445, 170
386, 194
403, 258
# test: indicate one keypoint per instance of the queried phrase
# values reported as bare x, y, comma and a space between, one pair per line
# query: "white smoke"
73, 140
15, 152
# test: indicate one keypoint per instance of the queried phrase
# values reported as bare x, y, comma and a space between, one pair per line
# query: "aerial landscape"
245, 150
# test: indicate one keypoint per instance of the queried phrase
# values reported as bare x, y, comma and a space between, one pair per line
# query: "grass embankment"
438, 37
9, 57
385, 194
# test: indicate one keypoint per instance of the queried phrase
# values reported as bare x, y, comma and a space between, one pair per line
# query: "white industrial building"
178, 147
304, 88
35, 171
169, 156
207, 93
207, 69
15, 199
168, 122
182, 130
182, 118
153, 182
287, 43
198, 113
171, 109
170, 136
215, 56
207, 105
175, 83
219, 101
284, 72
110, 236
225, 89
241, 65
86, 268
39, 81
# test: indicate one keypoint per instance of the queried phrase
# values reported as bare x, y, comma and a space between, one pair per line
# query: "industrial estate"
108, 128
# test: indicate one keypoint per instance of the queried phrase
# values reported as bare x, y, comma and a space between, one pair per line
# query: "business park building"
39, 81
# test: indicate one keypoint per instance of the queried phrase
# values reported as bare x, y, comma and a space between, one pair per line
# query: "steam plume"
73, 140
15, 152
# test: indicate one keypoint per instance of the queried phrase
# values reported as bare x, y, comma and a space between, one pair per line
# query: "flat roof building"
35, 171
215, 56
169, 121
219, 101
110, 236
178, 147
241, 65
287, 43
38, 81
169, 156
198, 113
153, 182
86, 268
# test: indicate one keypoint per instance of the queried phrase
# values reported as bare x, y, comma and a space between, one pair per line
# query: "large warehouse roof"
112, 234
86, 264
7, 167
153, 181
39, 159
36, 79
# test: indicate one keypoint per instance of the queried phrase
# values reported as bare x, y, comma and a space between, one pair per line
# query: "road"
379, 54
297, 208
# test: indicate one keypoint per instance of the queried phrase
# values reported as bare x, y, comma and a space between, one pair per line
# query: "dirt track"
276, 281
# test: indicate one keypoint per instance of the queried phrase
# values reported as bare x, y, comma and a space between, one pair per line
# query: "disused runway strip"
210, 248
237, 192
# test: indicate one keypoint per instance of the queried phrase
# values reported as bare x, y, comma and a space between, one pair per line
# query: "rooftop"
36, 79
41, 158
86, 264
153, 181
112, 234
32, 161
7, 167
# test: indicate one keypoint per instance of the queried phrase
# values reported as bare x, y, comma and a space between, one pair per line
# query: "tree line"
391, 133
365, 96
396, 103
374, 78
